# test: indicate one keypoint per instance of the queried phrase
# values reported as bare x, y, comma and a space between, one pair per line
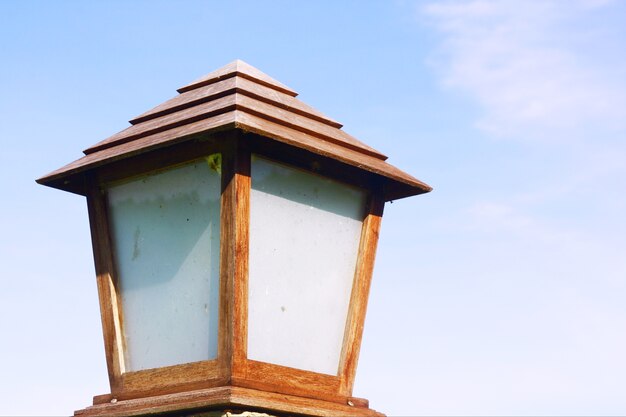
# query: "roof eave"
71, 177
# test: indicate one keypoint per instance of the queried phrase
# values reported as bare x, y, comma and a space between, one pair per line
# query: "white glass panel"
304, 238
166, 237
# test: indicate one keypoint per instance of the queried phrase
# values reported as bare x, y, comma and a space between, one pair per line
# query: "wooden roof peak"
242, 69
229, 86
236, 96
225, 90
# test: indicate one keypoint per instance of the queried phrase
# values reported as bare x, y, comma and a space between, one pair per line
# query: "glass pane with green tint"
166, 240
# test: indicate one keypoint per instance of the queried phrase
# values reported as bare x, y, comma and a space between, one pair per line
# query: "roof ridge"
229, 102
237, 86
242, 69
183, 106
354, 144
111, 141
235, 97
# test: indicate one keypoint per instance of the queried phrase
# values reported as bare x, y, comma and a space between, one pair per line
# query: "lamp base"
227, 399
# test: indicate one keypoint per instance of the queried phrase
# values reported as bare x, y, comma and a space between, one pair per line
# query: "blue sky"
500, 293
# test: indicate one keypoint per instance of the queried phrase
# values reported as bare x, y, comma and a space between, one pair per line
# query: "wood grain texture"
242, 69
241, 102
235, 110
237, 96
360, 293
222, 122
398, 185
262, 127
140, 383
305, 124
309, 161
169, 379
189, 99
162, 158
234, 257
228, 397
170, 121
232, 364
228, 231
228, 86
285, 380
105, 276
242, 239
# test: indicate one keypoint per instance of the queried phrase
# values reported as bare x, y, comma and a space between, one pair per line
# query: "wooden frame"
137, 384
232, 368
237, 111
194, 403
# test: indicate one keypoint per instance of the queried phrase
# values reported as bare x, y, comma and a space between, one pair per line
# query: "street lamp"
234, 232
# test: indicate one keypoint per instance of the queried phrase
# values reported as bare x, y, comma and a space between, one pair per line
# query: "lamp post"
234, 231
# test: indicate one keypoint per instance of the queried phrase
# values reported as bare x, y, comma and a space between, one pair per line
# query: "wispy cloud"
544, 68
550, 71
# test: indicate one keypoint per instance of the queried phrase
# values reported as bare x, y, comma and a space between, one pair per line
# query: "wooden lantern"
234, 232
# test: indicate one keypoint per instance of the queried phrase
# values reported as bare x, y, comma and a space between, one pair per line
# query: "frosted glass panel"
166, 238
304, 240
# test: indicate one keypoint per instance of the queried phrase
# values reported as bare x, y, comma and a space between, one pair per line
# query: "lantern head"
234, 231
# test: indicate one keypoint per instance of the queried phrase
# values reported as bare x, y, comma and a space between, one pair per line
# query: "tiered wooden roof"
237, 96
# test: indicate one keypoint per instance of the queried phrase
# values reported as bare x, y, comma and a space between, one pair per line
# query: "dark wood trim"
170, 379
231, 366
309, 161
360, 293
162, 159
286, 380
166, 379
105, 276
242, 240
227, 262
234, 256
229, 398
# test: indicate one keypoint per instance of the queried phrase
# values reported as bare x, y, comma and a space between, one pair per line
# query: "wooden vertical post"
235, 228
360, 293
107, 293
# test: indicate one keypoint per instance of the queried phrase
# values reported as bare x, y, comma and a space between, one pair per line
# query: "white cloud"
538, 68
532, 278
